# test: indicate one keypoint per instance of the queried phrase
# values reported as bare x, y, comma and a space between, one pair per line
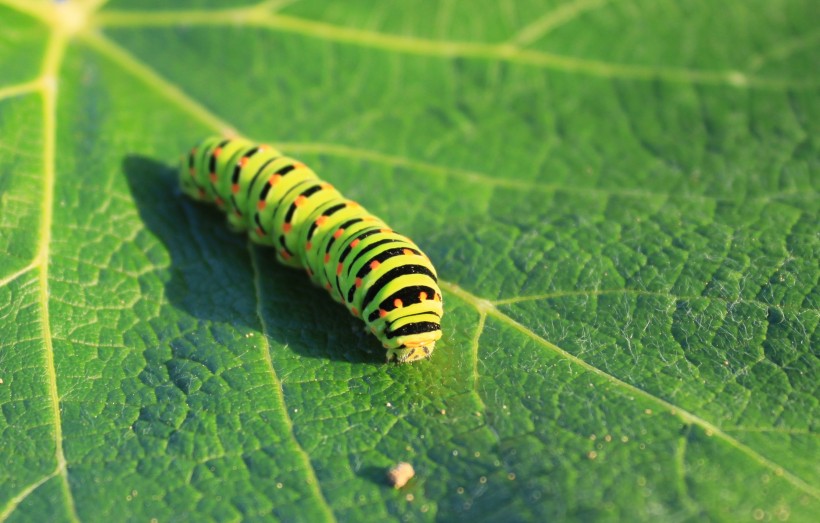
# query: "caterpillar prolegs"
380, 275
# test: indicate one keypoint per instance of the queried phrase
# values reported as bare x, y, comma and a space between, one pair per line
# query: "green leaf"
620, 199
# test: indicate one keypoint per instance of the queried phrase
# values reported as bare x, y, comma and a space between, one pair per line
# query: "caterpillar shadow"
213, 275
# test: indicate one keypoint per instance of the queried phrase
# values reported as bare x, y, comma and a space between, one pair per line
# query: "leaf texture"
620, 198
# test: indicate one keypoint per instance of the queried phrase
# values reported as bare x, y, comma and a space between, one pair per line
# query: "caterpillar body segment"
379, 275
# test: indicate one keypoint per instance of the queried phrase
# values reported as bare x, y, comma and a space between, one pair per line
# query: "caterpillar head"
405, 354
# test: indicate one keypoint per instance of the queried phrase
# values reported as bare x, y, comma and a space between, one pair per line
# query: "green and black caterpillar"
380, 275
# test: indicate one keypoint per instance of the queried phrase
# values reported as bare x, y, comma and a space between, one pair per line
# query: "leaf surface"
620, 199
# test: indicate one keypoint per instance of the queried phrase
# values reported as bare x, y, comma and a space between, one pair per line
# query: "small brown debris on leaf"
400, 474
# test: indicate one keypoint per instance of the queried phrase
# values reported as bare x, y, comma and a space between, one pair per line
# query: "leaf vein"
23, 494
554, 19
641, 292
313, 481
19, 273
21, 89
50, 69
254, 17
688, 417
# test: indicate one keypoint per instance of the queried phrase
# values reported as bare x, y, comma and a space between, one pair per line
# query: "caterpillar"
381, 276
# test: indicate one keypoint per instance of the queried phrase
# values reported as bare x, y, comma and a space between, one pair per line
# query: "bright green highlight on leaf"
620, 199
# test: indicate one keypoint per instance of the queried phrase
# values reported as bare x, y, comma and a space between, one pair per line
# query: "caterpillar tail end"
410, 354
